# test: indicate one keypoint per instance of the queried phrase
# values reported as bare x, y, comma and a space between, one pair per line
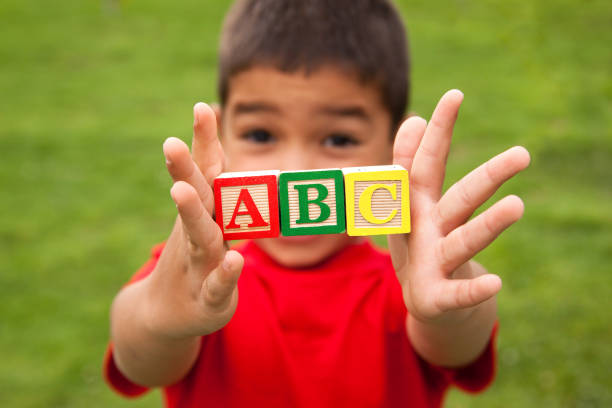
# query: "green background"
90, 89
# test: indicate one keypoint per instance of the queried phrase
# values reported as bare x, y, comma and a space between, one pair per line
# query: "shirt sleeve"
113, 376
480, 374
476, 376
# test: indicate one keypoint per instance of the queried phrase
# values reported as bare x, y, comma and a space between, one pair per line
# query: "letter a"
251, 210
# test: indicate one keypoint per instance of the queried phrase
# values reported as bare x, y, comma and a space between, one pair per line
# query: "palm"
431, 261
195, 262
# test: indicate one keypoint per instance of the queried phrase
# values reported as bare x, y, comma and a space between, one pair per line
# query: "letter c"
365, 203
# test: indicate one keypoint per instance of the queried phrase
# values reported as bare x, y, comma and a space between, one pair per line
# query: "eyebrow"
346, 111
349, 111
254, 107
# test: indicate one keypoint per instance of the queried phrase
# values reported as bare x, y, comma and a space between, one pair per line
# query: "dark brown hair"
365, 36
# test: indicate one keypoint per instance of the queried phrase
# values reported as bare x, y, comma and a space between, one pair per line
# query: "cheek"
238, 158
373, 153
387, 151
241, 161
382, 149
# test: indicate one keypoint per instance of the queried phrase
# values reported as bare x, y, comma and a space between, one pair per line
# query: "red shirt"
330, 336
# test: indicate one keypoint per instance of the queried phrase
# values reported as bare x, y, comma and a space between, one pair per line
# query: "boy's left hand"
433, 261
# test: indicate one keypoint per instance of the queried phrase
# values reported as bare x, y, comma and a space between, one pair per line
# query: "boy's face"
294, 121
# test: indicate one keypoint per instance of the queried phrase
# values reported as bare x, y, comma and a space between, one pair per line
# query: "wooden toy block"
246, 204
377, 200
312, 202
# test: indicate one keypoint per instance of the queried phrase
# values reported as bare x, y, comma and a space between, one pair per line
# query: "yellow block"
377, 200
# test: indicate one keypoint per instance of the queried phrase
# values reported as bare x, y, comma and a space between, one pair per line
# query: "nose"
297, 156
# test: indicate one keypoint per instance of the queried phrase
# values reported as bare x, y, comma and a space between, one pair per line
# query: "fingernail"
195, 114
225, 265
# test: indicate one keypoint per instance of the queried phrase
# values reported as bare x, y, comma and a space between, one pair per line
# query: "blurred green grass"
89, 90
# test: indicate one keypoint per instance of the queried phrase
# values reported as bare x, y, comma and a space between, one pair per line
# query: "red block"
246, 204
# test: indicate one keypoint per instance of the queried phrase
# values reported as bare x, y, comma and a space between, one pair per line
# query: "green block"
311, 202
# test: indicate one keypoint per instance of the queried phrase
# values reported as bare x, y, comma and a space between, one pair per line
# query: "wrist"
142, 346
160, 316
455, 338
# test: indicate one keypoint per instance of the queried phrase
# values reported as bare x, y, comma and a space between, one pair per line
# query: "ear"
218, 115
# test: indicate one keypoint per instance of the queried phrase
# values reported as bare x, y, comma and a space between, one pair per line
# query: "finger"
465, 196
464, 242
181, 167
220, 285
429, 163
407, 141
452, 294
206, 148
201, 229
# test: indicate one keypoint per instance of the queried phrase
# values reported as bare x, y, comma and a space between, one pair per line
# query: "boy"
326, 320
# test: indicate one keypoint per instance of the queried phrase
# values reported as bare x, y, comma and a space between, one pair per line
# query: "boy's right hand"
193, 289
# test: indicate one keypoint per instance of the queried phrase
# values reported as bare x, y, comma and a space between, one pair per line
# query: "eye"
341, 140
258, 136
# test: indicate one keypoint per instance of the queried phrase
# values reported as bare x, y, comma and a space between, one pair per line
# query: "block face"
246, 205
312, 202
377, 200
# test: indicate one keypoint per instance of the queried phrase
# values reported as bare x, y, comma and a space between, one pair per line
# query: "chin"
306, 250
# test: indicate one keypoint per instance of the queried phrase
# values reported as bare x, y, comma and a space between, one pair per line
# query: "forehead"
325, 88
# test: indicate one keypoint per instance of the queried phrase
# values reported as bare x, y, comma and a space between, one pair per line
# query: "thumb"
220, 284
